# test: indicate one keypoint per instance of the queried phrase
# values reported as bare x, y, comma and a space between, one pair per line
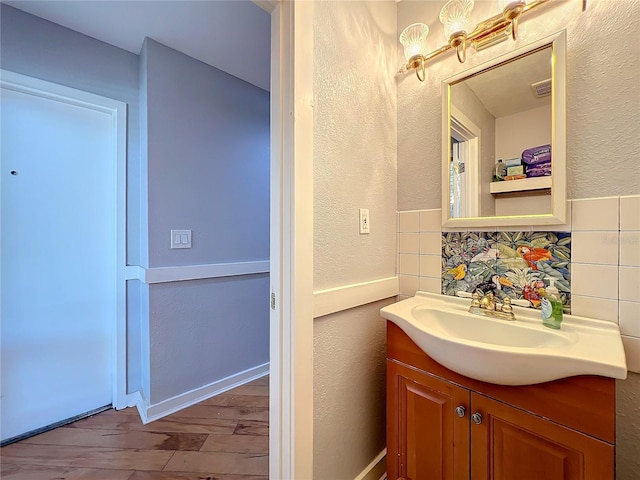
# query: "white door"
58, 270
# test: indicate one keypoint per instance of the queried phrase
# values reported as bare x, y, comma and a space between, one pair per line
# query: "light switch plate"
180, 238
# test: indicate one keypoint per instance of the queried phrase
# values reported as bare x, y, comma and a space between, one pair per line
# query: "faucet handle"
506, 305
475, 299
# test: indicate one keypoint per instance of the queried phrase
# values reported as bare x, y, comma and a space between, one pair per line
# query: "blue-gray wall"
198, 158
206, 138
208, 152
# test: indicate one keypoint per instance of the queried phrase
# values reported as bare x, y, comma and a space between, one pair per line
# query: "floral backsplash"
514, 264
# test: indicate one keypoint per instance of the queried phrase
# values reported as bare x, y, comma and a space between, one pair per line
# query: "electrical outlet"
365, 225
180, 238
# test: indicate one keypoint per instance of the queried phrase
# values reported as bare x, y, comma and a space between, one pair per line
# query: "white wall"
354, 167
603, 126
512, 138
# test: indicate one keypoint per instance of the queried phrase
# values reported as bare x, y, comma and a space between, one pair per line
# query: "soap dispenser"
551, 306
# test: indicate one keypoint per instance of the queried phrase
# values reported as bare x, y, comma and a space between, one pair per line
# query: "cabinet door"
512, 444
426, 438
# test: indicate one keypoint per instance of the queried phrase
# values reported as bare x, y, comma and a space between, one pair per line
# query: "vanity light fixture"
456, 18
414, 40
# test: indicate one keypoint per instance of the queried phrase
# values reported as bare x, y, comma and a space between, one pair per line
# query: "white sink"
520, 352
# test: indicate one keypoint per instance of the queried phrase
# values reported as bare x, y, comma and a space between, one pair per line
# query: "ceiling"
506, 90
233, 35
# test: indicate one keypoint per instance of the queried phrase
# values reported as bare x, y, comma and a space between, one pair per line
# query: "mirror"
503, 147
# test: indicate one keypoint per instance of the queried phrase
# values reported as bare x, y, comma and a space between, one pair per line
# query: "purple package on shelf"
539, 171
536, 155
539, 165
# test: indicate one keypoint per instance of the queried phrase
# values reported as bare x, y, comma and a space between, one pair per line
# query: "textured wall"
349, 391
603, 99
354, 141
628, 428
603, 127
354, 167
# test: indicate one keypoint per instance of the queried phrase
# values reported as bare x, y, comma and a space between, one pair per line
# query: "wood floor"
223, 438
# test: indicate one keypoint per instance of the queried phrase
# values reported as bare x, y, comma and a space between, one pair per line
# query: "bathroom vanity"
476, 397
442, 425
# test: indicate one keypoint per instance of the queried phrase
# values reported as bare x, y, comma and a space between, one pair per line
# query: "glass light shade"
414, 40
502, 4
456, 17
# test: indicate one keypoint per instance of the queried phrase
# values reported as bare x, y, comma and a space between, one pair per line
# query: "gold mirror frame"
558, 214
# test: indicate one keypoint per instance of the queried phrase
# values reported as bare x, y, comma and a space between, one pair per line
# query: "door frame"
470, 135
291, 241
118, 112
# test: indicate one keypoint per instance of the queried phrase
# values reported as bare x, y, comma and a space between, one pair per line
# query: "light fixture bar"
485, 34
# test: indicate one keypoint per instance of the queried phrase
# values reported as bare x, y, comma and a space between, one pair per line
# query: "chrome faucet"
487, 306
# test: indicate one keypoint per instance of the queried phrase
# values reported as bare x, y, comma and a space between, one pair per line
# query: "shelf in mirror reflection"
521, 185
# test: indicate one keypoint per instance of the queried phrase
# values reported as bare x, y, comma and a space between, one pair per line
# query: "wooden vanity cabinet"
557, 430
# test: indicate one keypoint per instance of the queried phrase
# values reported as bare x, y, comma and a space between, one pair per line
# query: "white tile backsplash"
632, 352
409, 222
409, 243
432, 285
594, 280
431, 266
630, 284
599, 247
595, 307
408, 285
630, 212
595, 214
630, 318
431, 243
630, 248
409, 264
431, 220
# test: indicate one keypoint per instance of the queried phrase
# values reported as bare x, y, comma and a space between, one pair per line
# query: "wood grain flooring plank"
252, 427
171, 423
83, 437
39, 472
236, 444
193, 476
229, 413
89, 457
248, 401
261, 390
230, 430
260, 381
222, 463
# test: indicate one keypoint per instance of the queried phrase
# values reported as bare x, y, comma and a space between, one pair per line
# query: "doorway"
62, 247
464, 166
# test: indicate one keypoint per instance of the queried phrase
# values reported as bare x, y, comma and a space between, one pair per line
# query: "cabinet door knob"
460, 411
476, 418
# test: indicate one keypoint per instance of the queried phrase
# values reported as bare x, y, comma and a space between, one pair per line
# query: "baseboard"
149, 413
376, 470
141, 405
